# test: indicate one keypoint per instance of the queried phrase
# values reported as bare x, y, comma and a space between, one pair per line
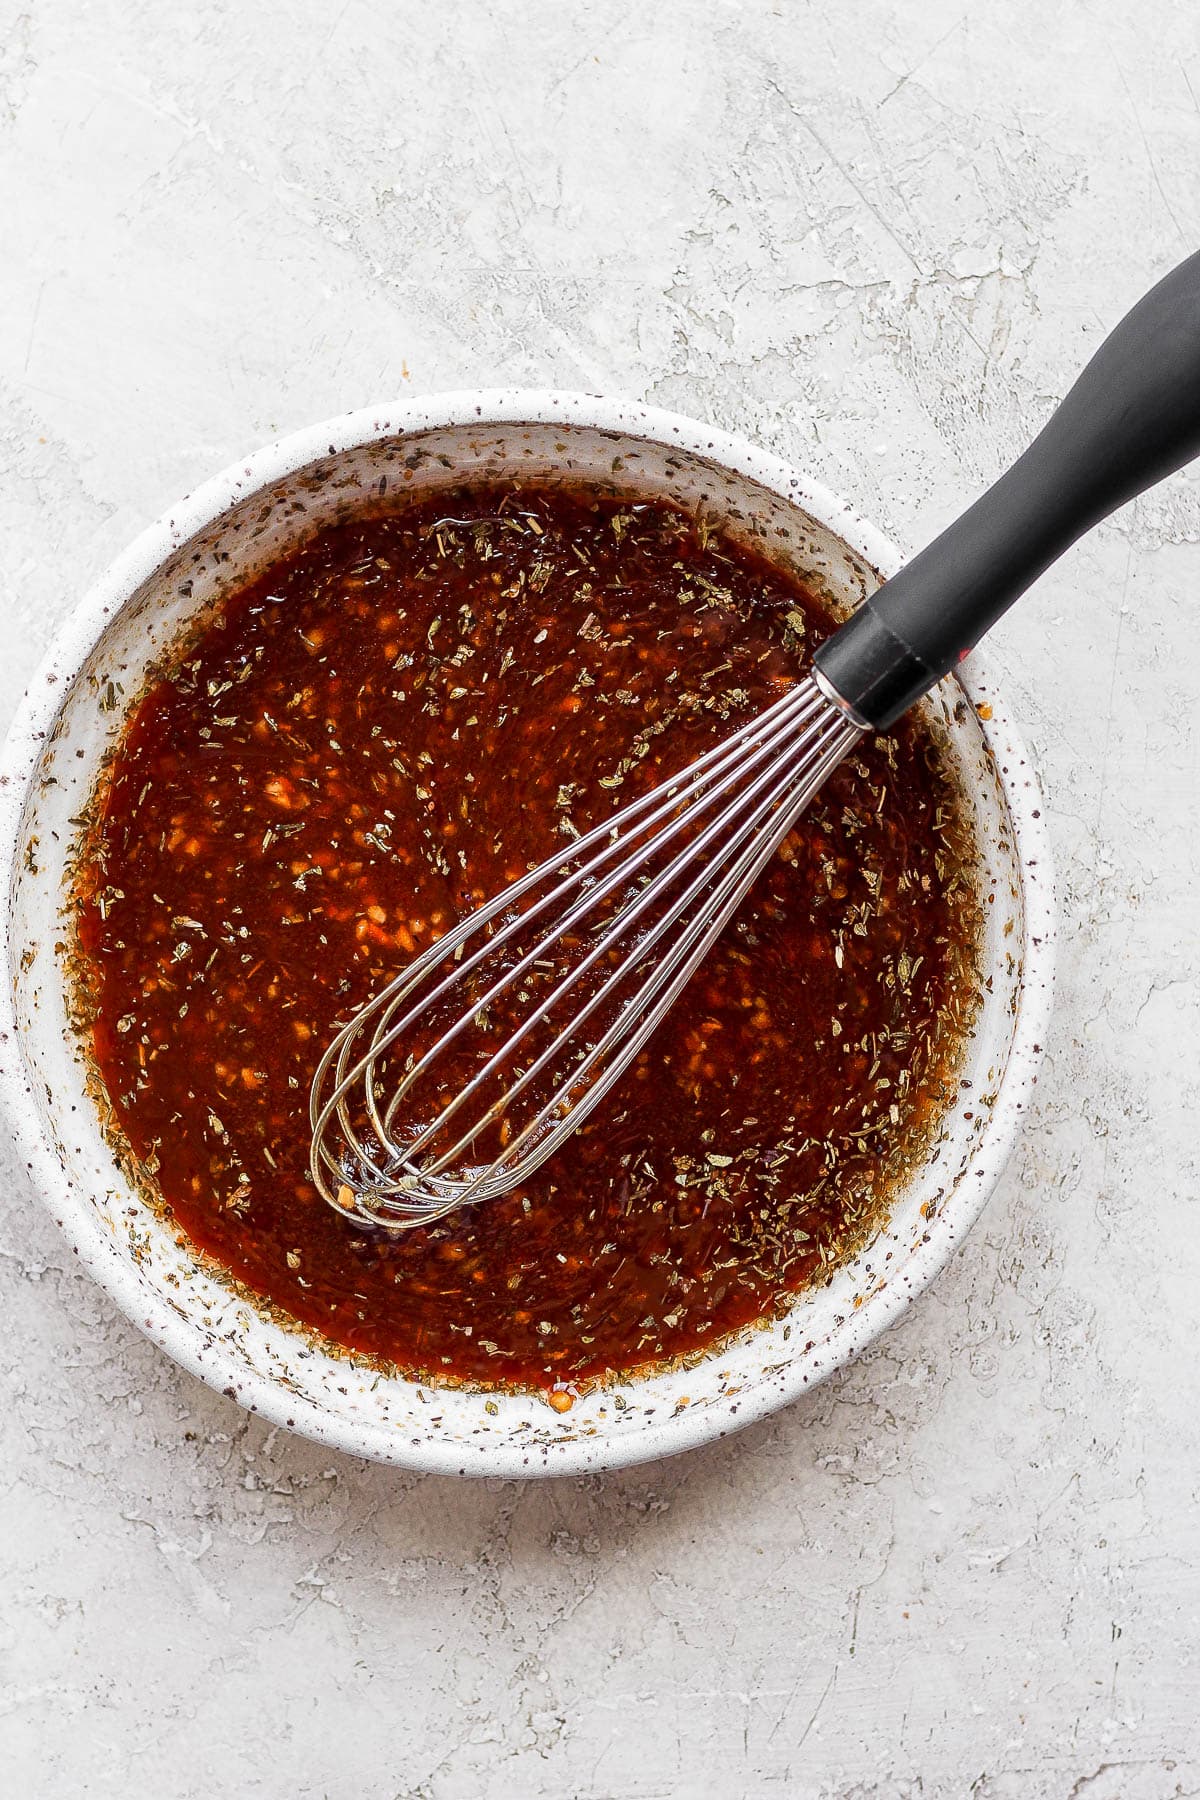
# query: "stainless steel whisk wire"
766, 773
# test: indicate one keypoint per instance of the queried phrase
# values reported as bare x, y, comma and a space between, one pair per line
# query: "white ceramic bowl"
229, 528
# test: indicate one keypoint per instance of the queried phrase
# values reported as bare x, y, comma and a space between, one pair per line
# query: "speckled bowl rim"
111, 1265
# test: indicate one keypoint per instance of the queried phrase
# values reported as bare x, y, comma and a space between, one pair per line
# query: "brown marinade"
376, 735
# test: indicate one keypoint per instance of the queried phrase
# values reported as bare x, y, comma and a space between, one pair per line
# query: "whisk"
468, 1070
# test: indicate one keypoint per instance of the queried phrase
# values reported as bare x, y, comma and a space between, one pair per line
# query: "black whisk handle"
1132, 417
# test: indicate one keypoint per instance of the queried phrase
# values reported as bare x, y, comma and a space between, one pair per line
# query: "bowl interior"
154, 1273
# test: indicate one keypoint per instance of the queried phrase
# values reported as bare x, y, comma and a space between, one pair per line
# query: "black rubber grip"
1132, 417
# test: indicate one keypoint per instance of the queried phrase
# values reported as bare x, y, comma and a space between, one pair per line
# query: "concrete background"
879, 238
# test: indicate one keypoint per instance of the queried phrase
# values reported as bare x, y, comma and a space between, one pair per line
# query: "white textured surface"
880, 239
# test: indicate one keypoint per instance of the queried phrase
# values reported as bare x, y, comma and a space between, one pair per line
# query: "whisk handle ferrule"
1132, 417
